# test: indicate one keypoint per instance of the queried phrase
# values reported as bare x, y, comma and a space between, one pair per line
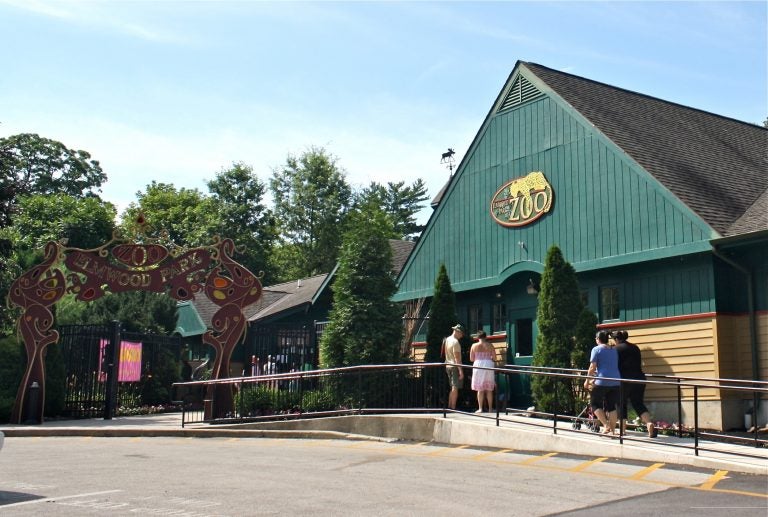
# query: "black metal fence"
92, 354
423, 388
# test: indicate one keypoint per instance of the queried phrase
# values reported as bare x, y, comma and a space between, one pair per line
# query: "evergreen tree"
442, 315
558, 311
364, 325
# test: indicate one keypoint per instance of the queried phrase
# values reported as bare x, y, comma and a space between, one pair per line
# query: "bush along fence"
423, 388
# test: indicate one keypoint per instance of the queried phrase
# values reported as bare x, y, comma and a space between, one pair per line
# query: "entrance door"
521, 339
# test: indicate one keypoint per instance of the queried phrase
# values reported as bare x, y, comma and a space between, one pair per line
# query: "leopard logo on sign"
522, 200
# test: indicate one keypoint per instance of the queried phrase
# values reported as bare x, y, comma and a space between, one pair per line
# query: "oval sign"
522, 200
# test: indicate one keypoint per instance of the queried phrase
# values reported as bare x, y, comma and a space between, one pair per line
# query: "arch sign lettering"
125, 265
522, 200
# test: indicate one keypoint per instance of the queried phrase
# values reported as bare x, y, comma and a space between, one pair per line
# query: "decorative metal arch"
123, 265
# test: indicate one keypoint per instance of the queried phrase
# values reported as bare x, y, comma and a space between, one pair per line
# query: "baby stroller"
587, 417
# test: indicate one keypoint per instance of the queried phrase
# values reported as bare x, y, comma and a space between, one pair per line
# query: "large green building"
662, 210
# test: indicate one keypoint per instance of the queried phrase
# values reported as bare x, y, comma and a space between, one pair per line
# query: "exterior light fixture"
531, 288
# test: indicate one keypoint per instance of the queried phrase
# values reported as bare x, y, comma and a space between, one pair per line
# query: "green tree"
139, 311
312, 198
39, 165
12, 361
558, 311
401, 202
244, 217
82, 222
181, 217
442, 315
364, 325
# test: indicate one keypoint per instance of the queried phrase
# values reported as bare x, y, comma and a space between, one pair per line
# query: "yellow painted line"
443, 450
87, 438
490, 453
538, 458
647, 470
400, 448
137, 439
233, 439
713, 480
587, 464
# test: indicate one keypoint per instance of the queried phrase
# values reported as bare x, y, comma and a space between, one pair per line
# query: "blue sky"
176, 91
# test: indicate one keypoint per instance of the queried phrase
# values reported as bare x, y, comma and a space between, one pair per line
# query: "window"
609, 303
474, 318
499, 322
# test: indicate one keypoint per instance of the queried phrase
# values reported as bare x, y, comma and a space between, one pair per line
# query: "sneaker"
479, 411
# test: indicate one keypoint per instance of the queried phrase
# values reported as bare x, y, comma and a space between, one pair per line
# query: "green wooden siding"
661, 289
604, 204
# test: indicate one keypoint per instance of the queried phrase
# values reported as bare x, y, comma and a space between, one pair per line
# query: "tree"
442, 315
312, 198
364, 325
400, 202
38, 165
244, 217
138, 311
181, 217
82, 222
558, 311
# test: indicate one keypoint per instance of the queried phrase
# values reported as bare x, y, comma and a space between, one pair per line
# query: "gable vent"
522, 91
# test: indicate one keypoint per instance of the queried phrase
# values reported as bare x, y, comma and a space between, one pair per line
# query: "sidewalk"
513, 432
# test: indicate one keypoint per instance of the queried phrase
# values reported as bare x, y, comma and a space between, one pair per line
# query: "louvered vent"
522, 91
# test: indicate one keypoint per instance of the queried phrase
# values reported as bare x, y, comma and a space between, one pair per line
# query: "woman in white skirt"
483, 354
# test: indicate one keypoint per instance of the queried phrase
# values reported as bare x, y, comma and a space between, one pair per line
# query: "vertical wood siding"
603, 206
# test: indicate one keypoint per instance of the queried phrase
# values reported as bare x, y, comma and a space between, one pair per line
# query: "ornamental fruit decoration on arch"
123, 265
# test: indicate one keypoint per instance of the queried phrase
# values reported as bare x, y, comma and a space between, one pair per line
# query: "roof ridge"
639, 94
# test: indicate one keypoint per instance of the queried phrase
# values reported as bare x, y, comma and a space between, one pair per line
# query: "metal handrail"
297, 379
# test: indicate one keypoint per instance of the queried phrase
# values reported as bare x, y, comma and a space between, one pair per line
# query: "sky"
176, 91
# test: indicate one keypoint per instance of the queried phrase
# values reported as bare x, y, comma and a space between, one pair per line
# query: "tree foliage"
557, 314
312, 199
442, 315
182, 217
31, 164
243, 216
365, 325
401, 202
138, 311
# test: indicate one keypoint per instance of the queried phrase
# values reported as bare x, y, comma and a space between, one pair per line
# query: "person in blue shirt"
604, 367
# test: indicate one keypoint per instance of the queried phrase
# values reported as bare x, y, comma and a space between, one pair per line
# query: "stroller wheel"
576, 425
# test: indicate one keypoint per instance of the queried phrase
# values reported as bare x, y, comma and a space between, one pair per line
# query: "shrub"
12, 364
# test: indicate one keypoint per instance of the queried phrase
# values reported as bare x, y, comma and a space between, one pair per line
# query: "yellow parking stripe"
399, 448
137, 439
486, 454
587, 464
538, 458
443, 450
647, 470
233, 440
713, 480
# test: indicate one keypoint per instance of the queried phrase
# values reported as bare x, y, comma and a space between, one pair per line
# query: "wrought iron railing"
423, 388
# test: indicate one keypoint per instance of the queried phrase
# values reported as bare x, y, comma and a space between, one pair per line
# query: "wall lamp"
531, 288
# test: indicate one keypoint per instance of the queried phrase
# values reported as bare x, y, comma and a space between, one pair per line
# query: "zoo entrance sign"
522, 200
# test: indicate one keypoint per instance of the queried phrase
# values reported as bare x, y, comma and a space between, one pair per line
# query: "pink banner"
130, 361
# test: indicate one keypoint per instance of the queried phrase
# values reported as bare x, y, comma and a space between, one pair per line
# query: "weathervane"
448, 158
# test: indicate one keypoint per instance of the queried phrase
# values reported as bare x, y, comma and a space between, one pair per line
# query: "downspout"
752, 316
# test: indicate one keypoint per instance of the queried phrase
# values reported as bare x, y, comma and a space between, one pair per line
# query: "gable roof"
715, 165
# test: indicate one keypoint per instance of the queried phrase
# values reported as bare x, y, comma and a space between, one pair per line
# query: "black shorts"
634, 393
604, 397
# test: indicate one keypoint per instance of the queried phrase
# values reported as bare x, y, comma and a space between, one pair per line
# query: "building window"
609, 303
499, 322
474, 318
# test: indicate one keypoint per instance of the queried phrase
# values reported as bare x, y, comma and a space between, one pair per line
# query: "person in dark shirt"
631, 367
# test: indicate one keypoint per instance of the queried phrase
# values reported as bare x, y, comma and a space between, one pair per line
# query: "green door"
521, 338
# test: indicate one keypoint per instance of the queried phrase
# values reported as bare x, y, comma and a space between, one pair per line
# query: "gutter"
752, 318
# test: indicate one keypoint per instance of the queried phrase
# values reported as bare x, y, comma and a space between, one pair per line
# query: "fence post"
621, 413
679, 410
695, 420
557, 401
241, 409
359, 391
113, 369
